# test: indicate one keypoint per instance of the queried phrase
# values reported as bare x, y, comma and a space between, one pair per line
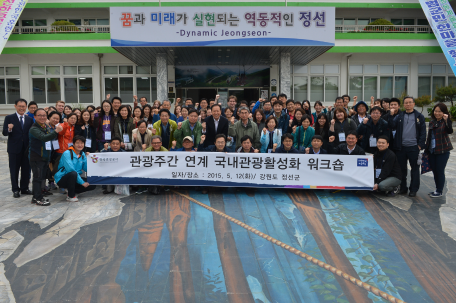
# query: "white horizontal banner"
222, 26
232, 169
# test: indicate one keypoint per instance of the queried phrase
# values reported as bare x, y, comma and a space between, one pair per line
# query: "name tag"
433, 143
378, 171
394, 133
269, 150
48, 145
55, 144
126, 138
70, 144
342, 137
88, 143
150, 126
372, 142
108, 135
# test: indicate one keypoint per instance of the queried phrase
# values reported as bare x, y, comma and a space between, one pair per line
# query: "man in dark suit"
214, 125
16, 127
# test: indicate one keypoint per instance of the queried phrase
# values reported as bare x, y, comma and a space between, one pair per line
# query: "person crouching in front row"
246, 145
71, 164
114, 148
388, 174
317, 142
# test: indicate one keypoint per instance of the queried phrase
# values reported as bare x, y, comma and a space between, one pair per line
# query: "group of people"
54, 142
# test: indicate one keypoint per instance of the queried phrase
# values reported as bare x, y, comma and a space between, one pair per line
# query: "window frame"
5, 77
309, 75
448, 74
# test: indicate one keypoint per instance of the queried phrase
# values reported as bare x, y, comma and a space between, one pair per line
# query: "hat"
355, 108
188, 138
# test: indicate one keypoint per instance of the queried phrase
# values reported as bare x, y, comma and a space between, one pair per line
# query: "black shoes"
412, 194
16, 194
26, 192
42, 202
403, 191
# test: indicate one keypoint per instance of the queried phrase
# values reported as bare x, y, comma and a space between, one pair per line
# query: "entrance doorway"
198, 93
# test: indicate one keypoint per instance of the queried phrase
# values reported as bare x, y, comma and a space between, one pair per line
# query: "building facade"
46, 63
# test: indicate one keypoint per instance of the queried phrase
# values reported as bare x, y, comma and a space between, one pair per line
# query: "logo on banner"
363, 162
94, 159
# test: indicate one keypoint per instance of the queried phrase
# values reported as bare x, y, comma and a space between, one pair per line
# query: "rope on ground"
293, 250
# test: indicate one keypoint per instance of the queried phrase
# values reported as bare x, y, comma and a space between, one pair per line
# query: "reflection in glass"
331, 88
39, 90
424, 86
400, 86
71, 90
300, 88
126, 89
53, 90
437, 82
370, 88
386, 87
13, 90
356, 86
143, 87
85, 90
2, 91
316, 89
111, 87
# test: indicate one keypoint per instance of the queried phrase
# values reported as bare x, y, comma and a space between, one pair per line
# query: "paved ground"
169, 248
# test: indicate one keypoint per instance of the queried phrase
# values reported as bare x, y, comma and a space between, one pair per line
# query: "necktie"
22, 123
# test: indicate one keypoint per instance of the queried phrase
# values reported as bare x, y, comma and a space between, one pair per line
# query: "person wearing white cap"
187, 145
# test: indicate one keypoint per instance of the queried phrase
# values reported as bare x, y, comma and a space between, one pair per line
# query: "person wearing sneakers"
388, 173
40, 150
71, 164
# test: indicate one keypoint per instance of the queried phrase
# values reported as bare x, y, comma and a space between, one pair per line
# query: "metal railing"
383, 29
61, 29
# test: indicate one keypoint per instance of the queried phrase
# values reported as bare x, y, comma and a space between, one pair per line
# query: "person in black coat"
317, 143
348, 148
214, 125
388, 173
85, 128
16, 126
371, 129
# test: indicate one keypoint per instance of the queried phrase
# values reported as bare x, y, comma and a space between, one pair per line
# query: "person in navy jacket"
16, 126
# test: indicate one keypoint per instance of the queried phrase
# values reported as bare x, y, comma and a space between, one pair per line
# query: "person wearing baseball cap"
187, 145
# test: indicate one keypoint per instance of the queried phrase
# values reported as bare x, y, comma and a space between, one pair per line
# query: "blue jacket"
212, 148
31, 116
366, 130
397, 123
264, 140
281, 150
66, 165
299, 135
282, 121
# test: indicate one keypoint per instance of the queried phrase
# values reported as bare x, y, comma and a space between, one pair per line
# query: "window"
322, 83
128, 80
379, 81
433, 76
9, 84
51, 83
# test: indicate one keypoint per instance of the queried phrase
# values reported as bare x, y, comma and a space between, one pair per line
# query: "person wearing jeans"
387, 169
40, 150
438, 145
409, 139
70, 168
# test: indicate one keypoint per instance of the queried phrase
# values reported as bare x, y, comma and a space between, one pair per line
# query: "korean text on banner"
442, 20
226, 169
222, 26
10, 11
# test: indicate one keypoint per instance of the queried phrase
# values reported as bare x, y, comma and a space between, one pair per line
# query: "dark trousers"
409, 153
438, 164
69, 181
39, 169
20, 162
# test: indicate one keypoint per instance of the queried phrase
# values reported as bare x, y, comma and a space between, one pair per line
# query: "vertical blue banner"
442, 20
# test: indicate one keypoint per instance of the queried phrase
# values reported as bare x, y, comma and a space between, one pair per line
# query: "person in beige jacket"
141, 137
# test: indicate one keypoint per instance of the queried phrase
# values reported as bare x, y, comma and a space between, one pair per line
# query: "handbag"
425, 164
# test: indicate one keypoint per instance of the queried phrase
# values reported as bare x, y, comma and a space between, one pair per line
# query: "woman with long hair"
319, 108
270, 135
84, 127
66, 136
341, 125
438, 145
259, 118
137, 116
184, 115
302, 135
322, 128
104, 123
123, 127
178, 111
307, 110
296, 121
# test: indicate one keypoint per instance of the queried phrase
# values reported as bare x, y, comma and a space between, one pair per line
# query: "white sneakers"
75, 199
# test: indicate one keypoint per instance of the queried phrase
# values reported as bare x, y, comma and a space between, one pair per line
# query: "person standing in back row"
16, 126
410, 138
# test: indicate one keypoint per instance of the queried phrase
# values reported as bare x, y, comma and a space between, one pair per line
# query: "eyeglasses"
40, 115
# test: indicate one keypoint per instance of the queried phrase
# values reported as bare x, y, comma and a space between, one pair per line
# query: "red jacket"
65, 137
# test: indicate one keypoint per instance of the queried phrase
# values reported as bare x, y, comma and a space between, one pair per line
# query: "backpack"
55, 166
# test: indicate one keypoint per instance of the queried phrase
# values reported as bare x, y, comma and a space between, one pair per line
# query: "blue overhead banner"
441, 18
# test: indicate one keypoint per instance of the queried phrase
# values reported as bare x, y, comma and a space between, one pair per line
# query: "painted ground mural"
229, 246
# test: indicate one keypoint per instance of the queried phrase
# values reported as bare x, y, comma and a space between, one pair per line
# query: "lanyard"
342, 126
